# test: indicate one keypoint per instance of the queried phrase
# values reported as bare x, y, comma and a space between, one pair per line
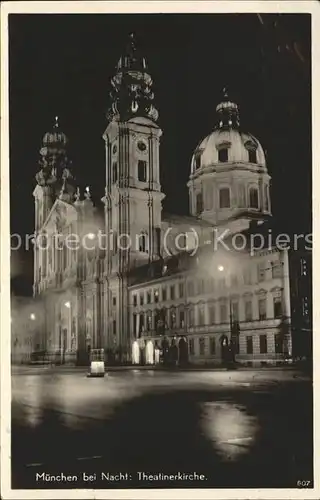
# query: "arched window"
223, 155
253, 197
143, 242
199, 206
142, 170
224, 197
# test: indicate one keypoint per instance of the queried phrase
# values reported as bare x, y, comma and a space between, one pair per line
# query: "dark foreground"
241, 429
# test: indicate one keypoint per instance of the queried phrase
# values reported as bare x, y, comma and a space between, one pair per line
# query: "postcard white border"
312, 7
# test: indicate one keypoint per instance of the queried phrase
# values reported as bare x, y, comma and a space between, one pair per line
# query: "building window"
235, 311
141, 323
142, 170
263, 344
135, 300
181, 290
253, 198
114, 149
143, 242
172, 294
149, 321
199, 202
156, 296
181, 319
252, 155
248, 310
277, 307
114, 300
191, 315
222, 283
164, 293
262, 305
223, 155
278, 343
249, 345
224, 198
114, 172
191, 288
201, 346
134, 324
172, 317
212, 345
114, 327
212, 314
201, 315
148, 297
223, 313
191, 346
141, 299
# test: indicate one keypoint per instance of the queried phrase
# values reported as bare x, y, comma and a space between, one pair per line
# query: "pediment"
60, 215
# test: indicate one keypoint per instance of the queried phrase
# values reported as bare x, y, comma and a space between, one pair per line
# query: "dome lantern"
228, 113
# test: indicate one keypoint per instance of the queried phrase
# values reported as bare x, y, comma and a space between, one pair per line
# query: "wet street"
244, 428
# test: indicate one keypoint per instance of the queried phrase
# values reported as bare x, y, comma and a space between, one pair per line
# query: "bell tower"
133, 196
54, 180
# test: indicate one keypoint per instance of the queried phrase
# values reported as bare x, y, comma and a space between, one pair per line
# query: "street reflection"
230, 428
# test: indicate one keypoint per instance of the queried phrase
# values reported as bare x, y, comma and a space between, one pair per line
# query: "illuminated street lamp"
220, 268
91, 236
67, 304
32, 317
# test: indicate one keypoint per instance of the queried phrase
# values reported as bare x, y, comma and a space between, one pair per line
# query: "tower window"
223, 155
142, 146
252, 155
114, 171
197, 161
114, 149
143, 243
266, 198
199, 203
224, 198
142, 170
253, 198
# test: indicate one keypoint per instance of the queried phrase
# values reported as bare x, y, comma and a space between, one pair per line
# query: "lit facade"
154, 282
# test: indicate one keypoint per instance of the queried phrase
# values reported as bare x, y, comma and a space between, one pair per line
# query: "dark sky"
62, 65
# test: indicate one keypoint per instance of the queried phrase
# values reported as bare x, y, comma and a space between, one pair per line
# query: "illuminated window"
143, 242
156, 295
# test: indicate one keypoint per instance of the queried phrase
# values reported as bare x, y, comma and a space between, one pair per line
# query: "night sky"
62, 65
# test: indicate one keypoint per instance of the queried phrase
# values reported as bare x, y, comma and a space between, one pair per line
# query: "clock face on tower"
142, 146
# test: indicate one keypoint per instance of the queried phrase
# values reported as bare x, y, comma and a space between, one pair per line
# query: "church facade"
149, 287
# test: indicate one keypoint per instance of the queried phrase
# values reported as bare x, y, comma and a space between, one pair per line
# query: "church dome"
227, 143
